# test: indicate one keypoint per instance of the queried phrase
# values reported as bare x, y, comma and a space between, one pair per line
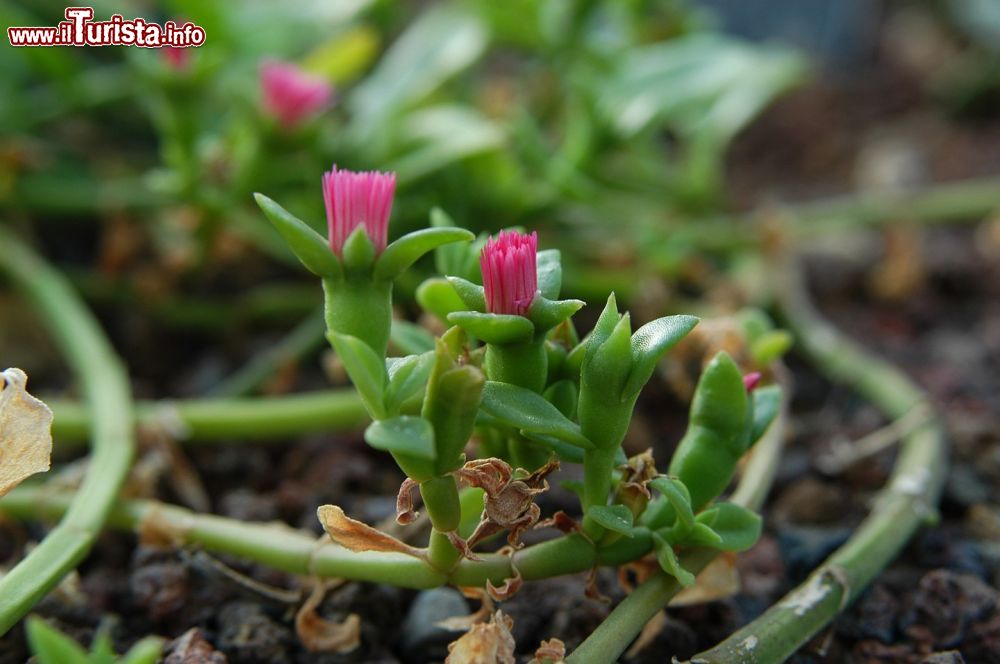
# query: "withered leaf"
25, 431
358, 536
485, 643
552, 651
718, 580
321, 635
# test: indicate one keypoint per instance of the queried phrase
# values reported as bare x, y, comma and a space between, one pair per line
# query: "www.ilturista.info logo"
79, 29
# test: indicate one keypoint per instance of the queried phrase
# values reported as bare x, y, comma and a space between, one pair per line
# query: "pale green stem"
256, 418
907, 501
104, 383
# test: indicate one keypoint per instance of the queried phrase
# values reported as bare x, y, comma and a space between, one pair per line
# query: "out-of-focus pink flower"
751, 380
510, 279
353, 199
290, 95
176, 58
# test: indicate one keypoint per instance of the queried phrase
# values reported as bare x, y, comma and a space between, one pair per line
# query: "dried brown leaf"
718, 580
25, 431
490, 643
358, 536
552, 651
480, 615
321, 635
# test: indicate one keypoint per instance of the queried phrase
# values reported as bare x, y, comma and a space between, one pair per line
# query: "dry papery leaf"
321, 635
552, 651
25, 431
718, 580
358, 536
485, 643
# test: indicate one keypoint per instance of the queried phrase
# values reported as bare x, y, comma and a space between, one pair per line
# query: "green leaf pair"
50, 646
615, 365
359, 253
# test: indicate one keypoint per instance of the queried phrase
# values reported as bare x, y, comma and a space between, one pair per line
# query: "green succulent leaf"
616, 518
407, 376
669, 563
453, 258
366, 369
766, 404
649, 343
678, 496
530, 412
410, 338
549, 269
472, 294
737, 527
494, 328
405, 251
563, 395
404, 434
438, 296
452, 404
310, 247
702, 535
546, 314
771, 346
50, 646
602, 329
146, 651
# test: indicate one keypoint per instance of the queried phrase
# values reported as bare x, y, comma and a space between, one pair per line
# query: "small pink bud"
290, 95
176, 58
750, 381
353, 199
510, 279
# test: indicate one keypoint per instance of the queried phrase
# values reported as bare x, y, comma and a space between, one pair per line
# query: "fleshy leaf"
528, 411
766, 404
357, 536
494, 328
668, 561
738, 527
309, 246
410, 338
678, 496
616, 518
366, 369
50, 646
406, 376
358, 252
549, 268
472, 294
404, 434
649, 343
771, 346
546, 314
405, 251
25, 431
438, 296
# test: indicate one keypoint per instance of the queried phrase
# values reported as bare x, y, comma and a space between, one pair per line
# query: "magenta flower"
510, 279
290, 95
751, 380
353, 199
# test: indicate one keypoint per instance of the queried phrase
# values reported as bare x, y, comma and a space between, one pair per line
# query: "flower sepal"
358, 253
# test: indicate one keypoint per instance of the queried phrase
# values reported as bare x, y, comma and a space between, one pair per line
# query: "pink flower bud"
510, 278
176, 58
290, 95
750, 381
353, 199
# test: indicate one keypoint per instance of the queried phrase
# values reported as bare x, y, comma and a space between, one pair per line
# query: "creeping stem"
105, 385
908, 500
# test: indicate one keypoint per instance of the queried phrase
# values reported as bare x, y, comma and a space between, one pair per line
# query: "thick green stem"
597, 468
105, 385
441, 500
625, 622
267, 418
908, 500
441, 553
361, 307
524, 364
